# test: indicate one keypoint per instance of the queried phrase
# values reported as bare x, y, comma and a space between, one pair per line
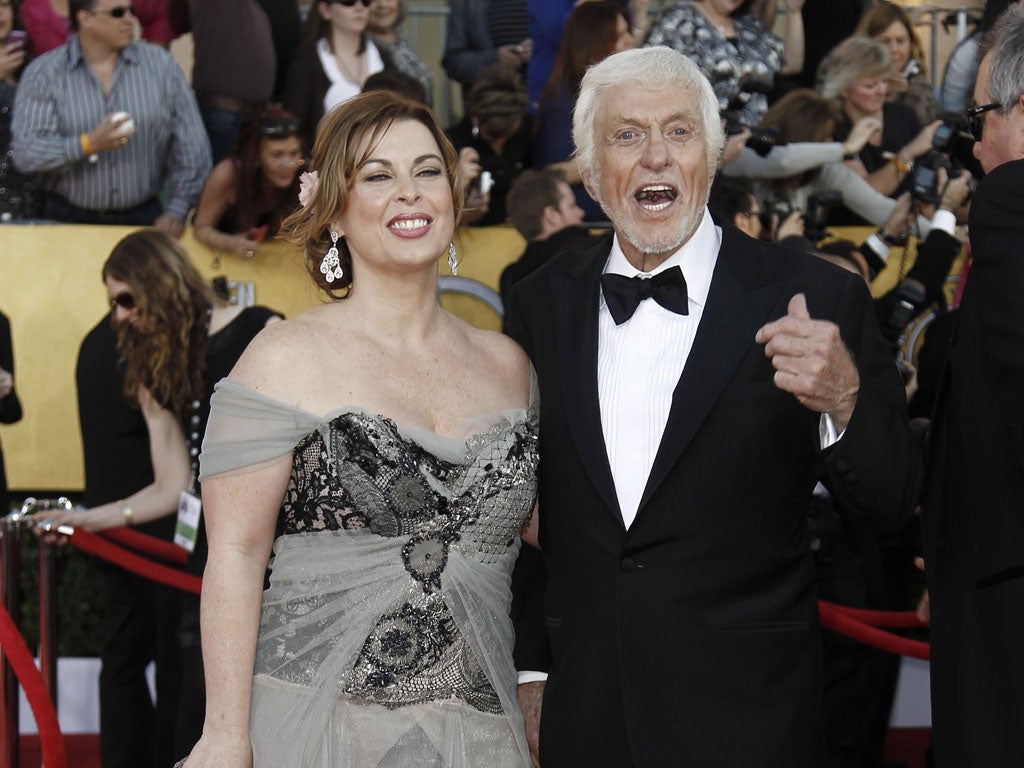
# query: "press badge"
186, 531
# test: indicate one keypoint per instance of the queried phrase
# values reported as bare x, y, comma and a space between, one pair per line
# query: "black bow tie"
623, 294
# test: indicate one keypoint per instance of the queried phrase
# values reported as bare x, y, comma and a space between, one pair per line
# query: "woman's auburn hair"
167, 356
880, 16
345, 139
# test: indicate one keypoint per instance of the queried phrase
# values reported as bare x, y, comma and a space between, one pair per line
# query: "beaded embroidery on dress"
384, 635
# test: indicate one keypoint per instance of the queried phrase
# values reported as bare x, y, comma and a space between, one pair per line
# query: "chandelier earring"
330, 267
453, 259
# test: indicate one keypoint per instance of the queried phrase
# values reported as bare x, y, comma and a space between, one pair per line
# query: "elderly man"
108, 122
973, 514
680, 441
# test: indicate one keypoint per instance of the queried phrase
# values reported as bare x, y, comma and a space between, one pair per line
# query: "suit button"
628, 565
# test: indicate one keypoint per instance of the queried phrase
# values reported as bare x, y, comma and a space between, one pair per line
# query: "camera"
897, 308
951, 149
761, 139
815, 214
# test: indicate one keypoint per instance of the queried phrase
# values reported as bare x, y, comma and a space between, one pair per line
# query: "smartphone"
17, 38
486, 182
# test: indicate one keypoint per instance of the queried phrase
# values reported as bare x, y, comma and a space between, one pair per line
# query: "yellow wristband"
83, 139
129, 515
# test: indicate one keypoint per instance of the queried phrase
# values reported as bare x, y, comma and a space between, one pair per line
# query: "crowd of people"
695, 470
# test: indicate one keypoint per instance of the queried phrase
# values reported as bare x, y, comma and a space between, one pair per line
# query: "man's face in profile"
652, 168
1002, 136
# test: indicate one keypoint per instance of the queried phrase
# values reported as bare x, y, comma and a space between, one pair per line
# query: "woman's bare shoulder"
502, 358
281, 355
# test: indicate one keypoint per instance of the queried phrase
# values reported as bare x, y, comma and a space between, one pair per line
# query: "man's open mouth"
655, 197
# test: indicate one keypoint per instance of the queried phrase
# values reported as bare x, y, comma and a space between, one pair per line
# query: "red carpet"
83, 751
909, 744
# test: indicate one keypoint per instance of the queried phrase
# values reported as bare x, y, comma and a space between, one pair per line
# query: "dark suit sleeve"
995, 291
10, 406
875, 470
532, 651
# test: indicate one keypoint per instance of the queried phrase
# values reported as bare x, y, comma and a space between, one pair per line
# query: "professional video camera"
761, 139
951, 149
815, 213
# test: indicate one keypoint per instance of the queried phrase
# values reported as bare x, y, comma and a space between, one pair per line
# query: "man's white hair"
656, 67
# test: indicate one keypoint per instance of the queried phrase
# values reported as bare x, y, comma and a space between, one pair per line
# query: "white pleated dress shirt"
639, 363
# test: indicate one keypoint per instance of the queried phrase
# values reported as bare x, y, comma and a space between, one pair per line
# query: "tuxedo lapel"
575, 294
738, 303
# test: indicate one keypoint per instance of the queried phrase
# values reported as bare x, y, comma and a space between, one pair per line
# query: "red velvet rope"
856, 623
31, 680
838, 620
97, 545
900, 619
149, 545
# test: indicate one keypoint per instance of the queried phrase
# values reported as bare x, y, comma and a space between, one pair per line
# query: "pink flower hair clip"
308, 182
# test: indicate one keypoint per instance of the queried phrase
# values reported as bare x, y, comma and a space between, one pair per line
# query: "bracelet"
129, 515
894, 241
83, 139
902, 168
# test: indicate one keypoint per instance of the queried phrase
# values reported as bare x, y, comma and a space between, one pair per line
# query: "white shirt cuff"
827, 432
531, 677
878, 245
944, 220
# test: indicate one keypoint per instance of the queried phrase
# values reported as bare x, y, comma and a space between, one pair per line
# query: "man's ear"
588, 184
738, 220
552, 218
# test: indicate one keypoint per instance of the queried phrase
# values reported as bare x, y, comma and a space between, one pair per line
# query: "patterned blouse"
754, 51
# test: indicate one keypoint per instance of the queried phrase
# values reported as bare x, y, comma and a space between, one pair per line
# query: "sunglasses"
123, 300
280, 129
116, 13
349, 3
975, 122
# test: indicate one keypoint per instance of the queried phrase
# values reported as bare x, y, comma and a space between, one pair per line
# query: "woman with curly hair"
176, 339
247, 195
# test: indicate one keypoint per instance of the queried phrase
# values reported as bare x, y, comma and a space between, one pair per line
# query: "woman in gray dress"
386, 452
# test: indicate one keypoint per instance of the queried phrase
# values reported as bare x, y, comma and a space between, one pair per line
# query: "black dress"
141, 617
223, 350
10, 406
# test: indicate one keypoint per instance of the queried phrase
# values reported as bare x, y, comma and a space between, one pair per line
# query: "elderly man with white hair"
680, 440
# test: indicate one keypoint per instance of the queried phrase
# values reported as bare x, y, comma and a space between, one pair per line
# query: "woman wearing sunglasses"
333, 62
247, 195
176, 340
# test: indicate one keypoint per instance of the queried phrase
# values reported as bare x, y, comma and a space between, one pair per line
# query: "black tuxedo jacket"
974, 512
693, 638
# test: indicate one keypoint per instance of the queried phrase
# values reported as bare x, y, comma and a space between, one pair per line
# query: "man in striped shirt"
109, 121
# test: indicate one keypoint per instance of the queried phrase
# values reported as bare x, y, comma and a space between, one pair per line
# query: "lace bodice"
371, 520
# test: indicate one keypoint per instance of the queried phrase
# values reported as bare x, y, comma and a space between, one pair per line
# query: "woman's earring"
453, 259
330, 267
476, 131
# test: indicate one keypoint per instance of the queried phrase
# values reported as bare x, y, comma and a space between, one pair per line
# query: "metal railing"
10, 563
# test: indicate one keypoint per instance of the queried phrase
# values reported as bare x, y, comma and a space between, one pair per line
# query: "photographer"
806, 161
732, 201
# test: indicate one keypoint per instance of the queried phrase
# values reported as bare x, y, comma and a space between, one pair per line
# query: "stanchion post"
48, 615
9, 562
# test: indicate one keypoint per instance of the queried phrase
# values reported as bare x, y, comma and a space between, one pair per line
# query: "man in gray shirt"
109, 121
